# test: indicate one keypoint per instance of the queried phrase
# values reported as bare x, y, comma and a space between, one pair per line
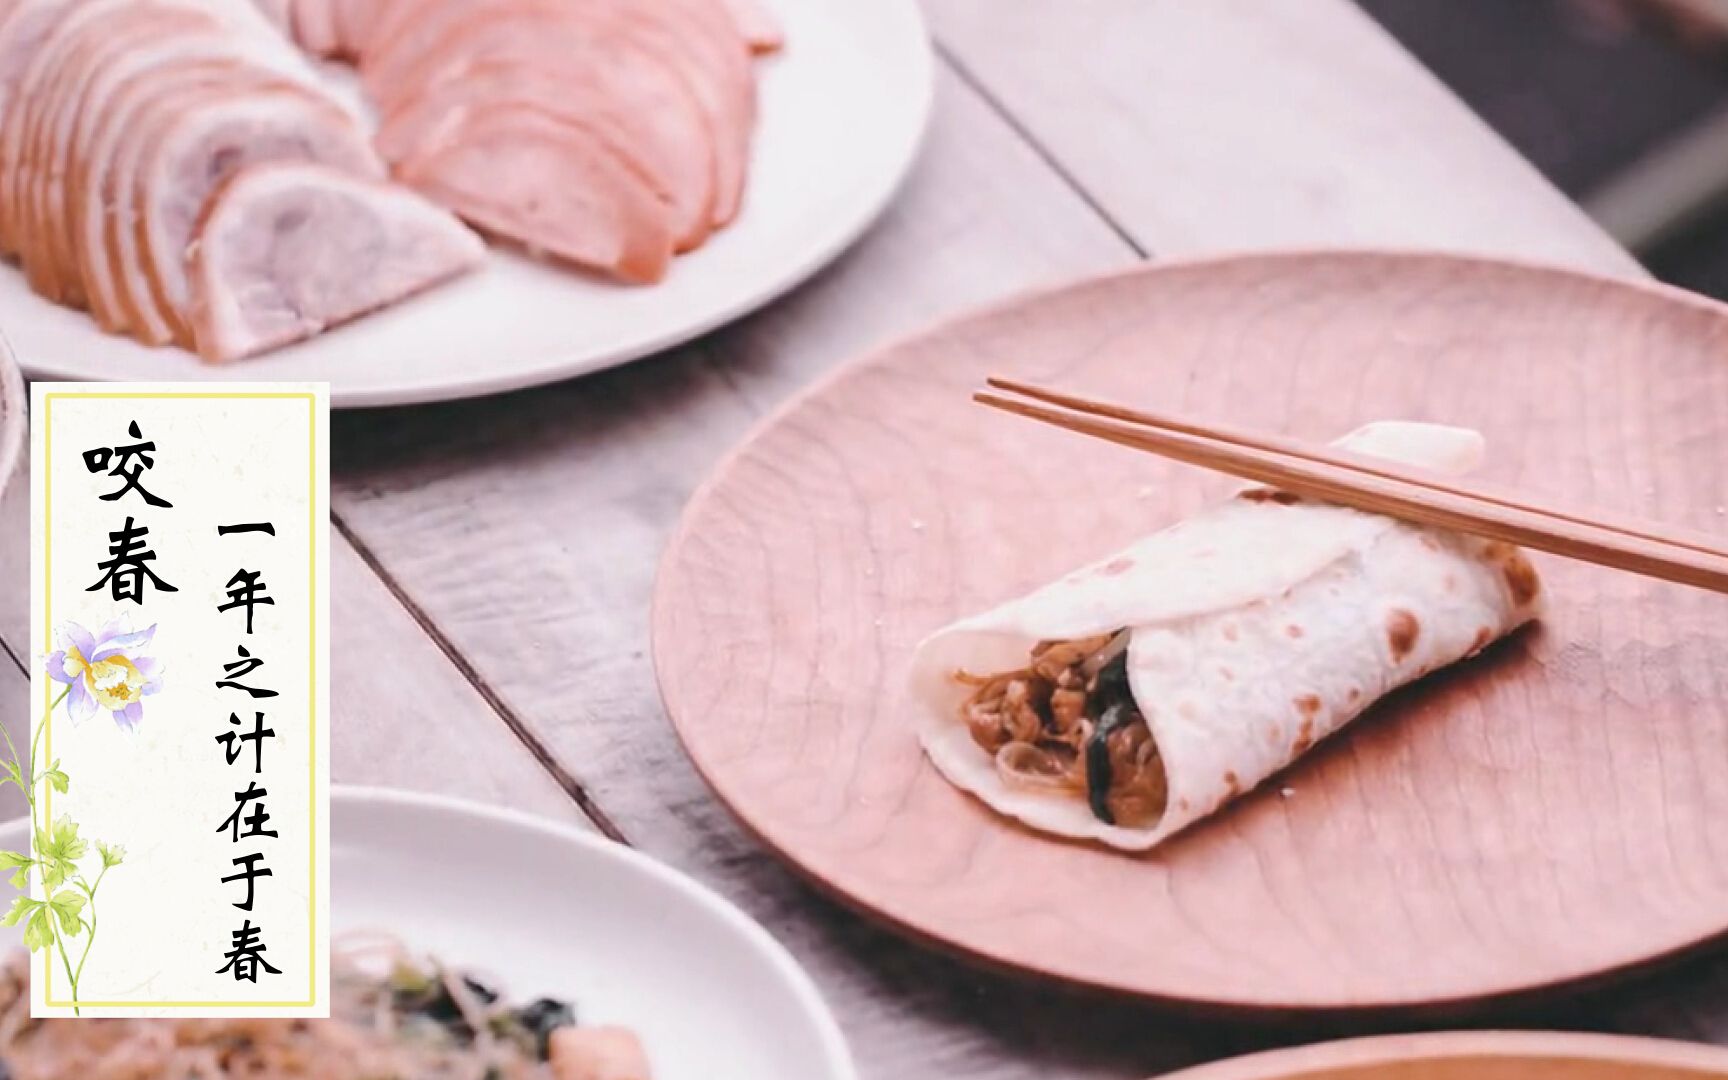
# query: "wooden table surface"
493, 559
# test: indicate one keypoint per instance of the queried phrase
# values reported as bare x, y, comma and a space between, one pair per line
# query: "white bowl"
548, 909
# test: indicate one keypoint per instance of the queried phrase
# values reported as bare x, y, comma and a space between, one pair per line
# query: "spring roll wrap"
1138, 695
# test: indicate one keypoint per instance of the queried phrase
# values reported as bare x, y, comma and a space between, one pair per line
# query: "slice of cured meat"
314, 25
551, 187
107, 162
85, 59
21, 35
288, 251
206, 142
111, 97
639, 108
426, 45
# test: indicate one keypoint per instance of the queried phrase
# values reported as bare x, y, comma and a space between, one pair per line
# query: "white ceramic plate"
843, 110
628, 940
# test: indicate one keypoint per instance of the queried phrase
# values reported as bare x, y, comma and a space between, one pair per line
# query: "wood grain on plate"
1541, 816
1477, 1055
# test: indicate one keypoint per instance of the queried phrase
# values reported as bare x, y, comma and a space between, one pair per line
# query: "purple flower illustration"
106, 671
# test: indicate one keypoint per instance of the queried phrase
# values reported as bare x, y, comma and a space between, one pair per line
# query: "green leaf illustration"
55, 851
58, 850
21, 906
53, 872
39, 931
66, 839
67, 904
69, 912
38, 922
20, 866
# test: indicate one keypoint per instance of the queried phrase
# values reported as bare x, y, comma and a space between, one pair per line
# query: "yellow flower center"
115, 682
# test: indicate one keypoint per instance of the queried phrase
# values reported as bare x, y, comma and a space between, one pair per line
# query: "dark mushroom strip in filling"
1067, 724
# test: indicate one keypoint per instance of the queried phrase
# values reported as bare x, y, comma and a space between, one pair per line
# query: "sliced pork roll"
638, 107
44, 95
287, 251
66, 85
553, 187
108, 215
129, 88
416, 46
201, 146
324, 28
22, 32
120, 119
315, 26
609, 134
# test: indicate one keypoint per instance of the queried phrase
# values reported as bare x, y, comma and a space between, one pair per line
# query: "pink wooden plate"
1477, 1055
1547, 814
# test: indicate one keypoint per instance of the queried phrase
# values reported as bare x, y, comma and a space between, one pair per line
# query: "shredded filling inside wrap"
1066, 724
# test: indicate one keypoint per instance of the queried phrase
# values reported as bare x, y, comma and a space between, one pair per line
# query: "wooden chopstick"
1365, 463
1564, 531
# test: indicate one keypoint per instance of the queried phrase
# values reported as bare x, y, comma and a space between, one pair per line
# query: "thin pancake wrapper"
1256, 629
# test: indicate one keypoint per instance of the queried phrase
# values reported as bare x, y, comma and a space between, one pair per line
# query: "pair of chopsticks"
1383, 487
